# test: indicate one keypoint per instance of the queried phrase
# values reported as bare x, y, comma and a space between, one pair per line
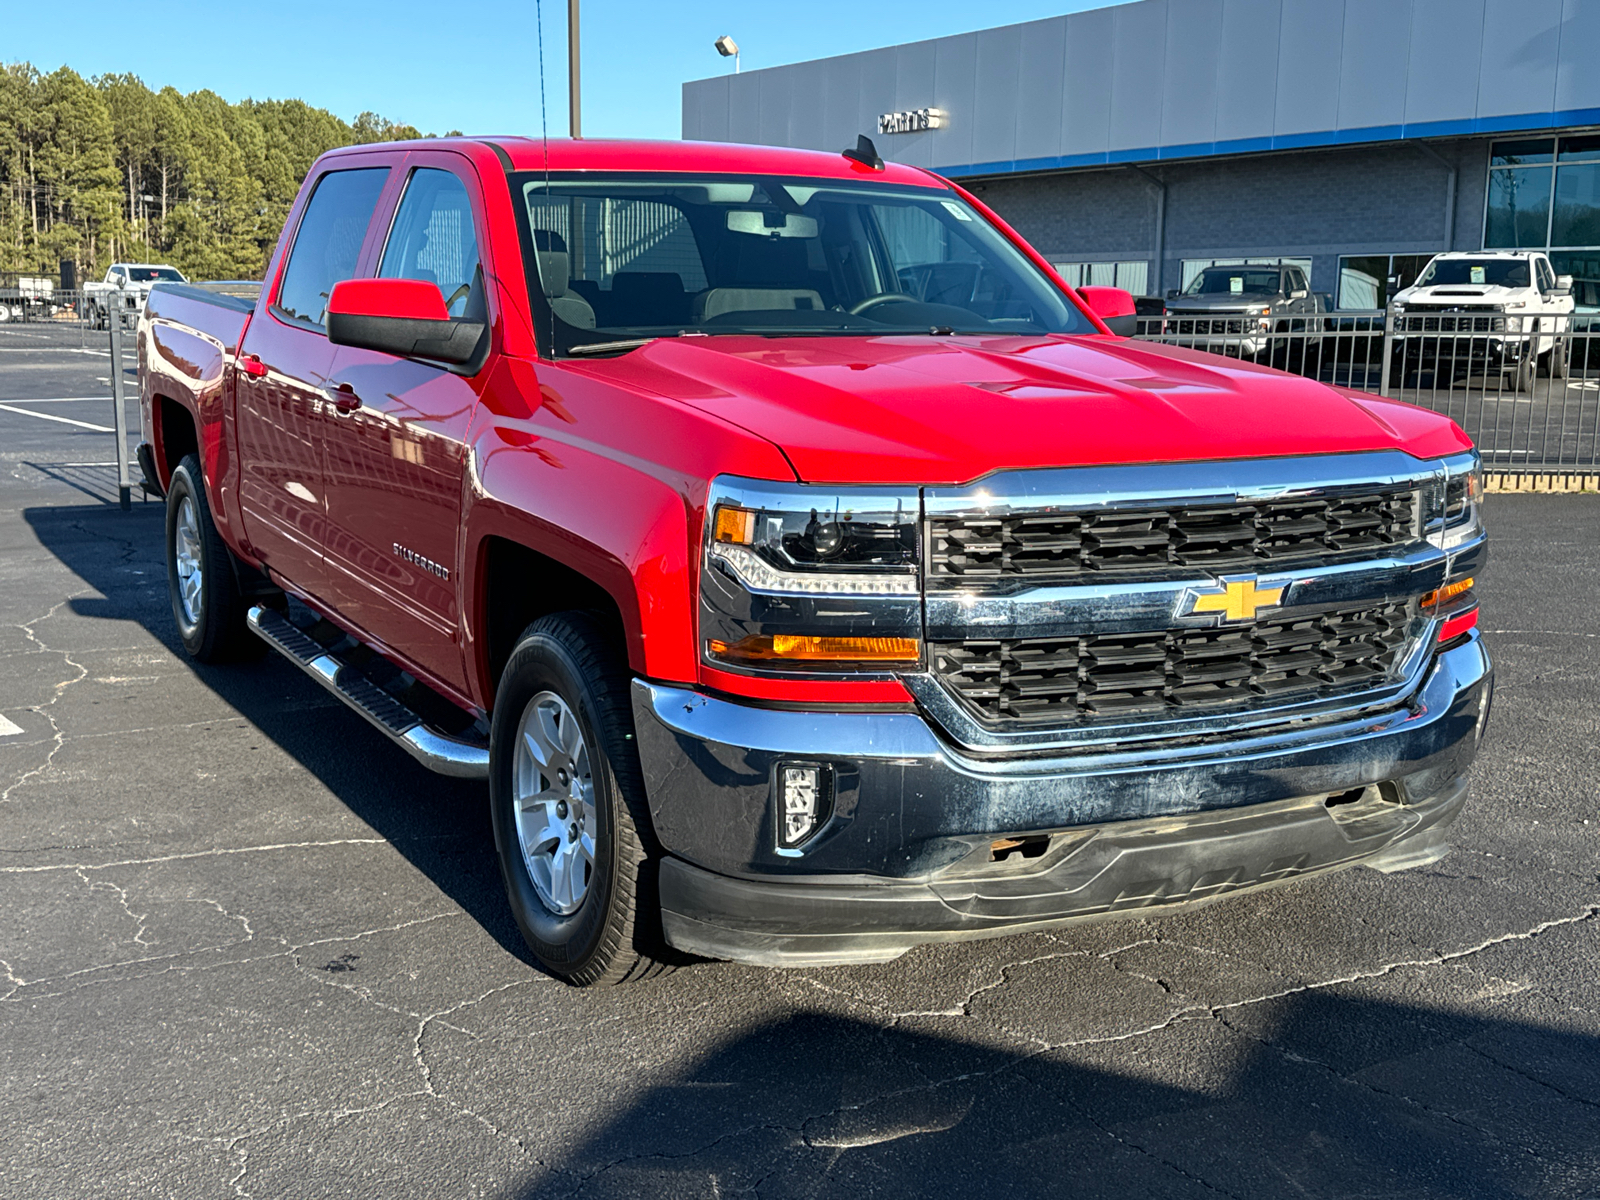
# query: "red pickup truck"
808, 570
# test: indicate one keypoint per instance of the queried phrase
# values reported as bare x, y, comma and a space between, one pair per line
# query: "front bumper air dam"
1126, 840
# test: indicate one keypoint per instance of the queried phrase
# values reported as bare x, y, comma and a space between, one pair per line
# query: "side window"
433, 240
328, 242
1297, 282
1547, 278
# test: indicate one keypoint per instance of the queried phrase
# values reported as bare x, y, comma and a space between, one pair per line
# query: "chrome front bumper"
905, 856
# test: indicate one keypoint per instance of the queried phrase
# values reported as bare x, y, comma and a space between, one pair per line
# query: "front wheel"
567, 800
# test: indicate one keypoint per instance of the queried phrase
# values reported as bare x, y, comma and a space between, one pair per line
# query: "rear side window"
329, 241
433, 240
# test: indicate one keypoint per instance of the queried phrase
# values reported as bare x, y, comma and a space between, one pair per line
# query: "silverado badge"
1236, 599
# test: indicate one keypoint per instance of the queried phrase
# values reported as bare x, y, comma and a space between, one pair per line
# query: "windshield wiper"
610, 347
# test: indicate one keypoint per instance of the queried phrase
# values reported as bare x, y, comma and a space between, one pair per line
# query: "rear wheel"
206, 604
567, 797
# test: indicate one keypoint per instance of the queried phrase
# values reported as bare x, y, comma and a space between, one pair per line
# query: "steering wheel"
871, 302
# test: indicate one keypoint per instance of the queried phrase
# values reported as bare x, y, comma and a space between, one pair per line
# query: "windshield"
1236, 281
645, 257
153, 275
1480, 272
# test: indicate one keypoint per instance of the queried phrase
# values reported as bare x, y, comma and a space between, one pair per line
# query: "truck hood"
1461, 293
1229, 303
932, 410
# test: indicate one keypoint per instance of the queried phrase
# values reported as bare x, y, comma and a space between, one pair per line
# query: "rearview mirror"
403, 317
1563, 286
1298, 294
771, 223
1114, 306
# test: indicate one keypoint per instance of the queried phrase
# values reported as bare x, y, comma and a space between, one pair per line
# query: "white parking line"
53, 400
52, 417
8, 729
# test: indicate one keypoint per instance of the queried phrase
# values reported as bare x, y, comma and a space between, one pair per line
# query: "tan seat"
553, 278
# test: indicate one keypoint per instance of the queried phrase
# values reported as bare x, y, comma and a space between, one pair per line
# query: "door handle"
344, 397
251, 364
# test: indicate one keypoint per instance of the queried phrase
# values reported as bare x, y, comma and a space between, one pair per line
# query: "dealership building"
1137, 144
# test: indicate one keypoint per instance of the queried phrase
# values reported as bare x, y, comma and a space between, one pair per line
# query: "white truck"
133, 281
1484, 312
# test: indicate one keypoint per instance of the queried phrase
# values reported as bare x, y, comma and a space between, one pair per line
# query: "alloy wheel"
553, 803
186, 552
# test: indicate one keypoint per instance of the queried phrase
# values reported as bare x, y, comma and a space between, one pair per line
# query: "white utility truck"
133, 281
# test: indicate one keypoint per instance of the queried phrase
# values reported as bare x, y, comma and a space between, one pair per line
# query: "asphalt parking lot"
250, 949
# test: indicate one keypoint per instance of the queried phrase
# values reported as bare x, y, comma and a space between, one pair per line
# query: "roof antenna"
865, 153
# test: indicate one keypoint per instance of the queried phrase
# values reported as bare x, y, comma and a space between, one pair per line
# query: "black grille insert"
1104, 677
1078, 546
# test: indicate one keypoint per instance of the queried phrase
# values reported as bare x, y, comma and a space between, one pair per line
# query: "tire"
201, 582
566, 689
1524, 375
1559, 367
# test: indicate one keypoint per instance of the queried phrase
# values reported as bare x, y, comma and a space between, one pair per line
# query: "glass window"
1193, 266
1547, 279
1584, 267
1133, 277
1236, 281
1522, 153
654, 258
328, 242
1576, 221
1364, 281
1477, 272
1519, 209
433, 240
1580, 149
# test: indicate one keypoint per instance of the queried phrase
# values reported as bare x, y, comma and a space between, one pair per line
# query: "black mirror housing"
454, 341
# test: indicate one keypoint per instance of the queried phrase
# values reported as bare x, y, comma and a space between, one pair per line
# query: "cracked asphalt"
250, 949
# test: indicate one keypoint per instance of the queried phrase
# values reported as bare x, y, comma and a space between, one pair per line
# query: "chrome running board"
440, 752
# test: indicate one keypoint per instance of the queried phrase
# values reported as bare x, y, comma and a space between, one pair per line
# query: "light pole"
573, 90
726, 47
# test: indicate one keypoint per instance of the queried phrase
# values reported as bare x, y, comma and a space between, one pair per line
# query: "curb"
1541, 481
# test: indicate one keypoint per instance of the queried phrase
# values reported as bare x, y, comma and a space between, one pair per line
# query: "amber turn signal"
790, 647
1448, 592
735, 526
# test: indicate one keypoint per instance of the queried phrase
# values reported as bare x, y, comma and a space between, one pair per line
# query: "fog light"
805, 799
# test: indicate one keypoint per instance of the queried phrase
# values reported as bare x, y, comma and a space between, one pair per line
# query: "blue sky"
473, 66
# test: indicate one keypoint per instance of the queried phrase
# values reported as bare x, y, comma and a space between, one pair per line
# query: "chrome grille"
1078, 547
1235, 324
1453, 322
1104, 677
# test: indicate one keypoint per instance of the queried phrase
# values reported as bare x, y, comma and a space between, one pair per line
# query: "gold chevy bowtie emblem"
1237, 600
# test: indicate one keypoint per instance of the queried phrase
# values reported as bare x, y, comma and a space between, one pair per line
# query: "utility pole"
573, 90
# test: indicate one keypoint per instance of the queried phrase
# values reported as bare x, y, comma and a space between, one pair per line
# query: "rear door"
397, 453
283, 368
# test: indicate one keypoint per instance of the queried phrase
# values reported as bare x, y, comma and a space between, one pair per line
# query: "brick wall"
1317, 203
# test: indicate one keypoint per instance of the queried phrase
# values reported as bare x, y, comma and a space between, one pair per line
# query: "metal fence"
1525, 389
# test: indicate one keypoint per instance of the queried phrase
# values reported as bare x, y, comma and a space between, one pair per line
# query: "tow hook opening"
1002, 849
1350, 797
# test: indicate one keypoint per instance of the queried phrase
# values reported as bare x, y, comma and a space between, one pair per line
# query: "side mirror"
1563, 286
1114, 306
1172, 293
1298, 294
403, 317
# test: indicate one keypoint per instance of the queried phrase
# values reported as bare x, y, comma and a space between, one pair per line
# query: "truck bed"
188, 336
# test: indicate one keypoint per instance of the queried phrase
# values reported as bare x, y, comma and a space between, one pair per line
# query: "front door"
396, 451
281, 379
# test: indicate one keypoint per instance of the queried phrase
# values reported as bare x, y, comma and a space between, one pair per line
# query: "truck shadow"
1318, 1094
440, 825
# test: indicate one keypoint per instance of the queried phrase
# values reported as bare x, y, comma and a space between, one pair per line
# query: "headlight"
1454, 513
808, 541
806, 578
